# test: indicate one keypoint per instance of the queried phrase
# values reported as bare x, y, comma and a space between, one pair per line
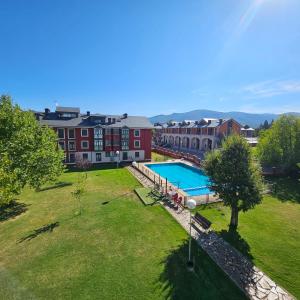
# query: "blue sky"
152, 57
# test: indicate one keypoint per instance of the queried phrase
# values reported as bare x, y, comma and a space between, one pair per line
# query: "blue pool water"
193, 181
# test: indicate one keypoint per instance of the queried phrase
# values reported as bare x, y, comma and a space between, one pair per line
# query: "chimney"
125, 116
88, 113
220, 121
209, 122
47, 110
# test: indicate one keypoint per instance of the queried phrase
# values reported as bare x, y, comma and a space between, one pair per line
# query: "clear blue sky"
152, 57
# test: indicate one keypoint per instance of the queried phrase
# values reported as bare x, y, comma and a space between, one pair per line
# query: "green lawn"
269, 234
156, 157
117, 249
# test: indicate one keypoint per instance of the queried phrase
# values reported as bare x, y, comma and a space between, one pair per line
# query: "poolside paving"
250, 279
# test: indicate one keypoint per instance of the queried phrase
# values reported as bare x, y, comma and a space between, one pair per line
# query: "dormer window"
68, 115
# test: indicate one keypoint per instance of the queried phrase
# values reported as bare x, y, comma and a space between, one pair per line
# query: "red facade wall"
79, 138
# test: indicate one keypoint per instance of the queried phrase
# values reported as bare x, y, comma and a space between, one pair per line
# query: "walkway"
255, 284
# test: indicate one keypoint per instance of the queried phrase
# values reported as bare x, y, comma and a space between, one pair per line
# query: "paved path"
255, 284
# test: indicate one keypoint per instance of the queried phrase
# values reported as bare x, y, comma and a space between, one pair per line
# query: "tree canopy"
235, 176
28, 152
279, 146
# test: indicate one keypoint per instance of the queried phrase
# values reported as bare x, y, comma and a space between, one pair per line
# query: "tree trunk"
234, 218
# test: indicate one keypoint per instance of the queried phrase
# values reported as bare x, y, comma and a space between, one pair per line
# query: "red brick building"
99, 138
195, 136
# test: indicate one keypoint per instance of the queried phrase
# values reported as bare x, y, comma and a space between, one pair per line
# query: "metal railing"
165, 186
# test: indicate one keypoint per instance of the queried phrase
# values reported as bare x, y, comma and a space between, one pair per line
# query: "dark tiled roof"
53, 120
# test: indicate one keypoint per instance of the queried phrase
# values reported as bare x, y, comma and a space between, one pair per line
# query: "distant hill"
253, 120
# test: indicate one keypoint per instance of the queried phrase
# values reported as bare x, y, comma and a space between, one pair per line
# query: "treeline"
279, 145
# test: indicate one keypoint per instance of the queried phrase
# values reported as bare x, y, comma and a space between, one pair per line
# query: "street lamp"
118, 158
191, 204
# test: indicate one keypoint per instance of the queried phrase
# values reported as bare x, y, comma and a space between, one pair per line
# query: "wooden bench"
202, 221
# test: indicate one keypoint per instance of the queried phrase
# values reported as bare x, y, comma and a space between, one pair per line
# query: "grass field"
117, 249
156, 157
269, 234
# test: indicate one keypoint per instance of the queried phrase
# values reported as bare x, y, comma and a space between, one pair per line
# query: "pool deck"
156, 178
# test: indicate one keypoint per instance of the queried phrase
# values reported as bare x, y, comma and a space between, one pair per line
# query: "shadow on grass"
235, 239
37, 232
207, 281
12, 210
55, 186
95, 167
285, 188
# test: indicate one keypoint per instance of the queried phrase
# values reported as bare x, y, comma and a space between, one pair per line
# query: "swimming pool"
189, 179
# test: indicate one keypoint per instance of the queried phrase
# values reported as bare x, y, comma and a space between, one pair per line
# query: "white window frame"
139, 131
100, 156
63, 131
88, 144
69, 133
85, 153
100, 141
137, 147
87, 130
69, 146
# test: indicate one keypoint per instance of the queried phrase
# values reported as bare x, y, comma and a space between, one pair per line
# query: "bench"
202, 221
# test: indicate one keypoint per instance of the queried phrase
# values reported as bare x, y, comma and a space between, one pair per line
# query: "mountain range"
251, 119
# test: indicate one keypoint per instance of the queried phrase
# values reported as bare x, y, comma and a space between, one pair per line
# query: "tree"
83, 164
235, 176
79, 191
279, 146
28, 152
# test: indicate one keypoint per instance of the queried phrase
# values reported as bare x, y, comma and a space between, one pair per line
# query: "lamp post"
191, 204
118, 158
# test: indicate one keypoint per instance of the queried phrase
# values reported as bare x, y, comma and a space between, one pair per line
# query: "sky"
151, 57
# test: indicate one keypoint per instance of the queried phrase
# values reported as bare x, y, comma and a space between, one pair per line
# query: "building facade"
99, 138
195, 136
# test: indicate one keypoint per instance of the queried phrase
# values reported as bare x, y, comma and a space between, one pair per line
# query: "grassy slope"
269, 234
117, 249
159, 157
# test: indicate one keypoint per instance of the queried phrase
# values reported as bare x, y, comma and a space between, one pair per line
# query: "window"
125, 133
85, 156
84, 132
61, 145
68, 115
98, 156
98, 133
136, 154
107, 154
71, 133
136, 132
98, 145
107, 142
116, 131
84, 144
108, 131
137, 144
125, 145
125, 155
72, 157
61, 133
72, 145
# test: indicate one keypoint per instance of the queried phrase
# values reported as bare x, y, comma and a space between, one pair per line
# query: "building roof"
67, 109
53, 119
